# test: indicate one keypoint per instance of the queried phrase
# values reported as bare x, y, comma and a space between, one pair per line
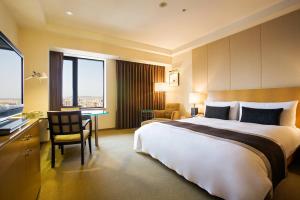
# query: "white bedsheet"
224, 169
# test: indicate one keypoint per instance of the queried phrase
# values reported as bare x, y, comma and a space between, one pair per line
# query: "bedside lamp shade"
194, 98
160, 87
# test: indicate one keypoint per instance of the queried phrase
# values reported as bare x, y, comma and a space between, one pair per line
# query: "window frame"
75, 81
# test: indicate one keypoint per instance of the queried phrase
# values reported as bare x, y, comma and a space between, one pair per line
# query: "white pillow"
234, 107
288, 115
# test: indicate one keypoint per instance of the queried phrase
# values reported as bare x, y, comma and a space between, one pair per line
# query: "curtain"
55, 80
135, 91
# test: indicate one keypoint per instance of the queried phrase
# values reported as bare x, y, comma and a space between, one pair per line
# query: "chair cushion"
168, 114
71, 137
172, 106
159, 113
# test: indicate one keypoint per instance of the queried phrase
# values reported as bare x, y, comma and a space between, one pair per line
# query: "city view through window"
87, 88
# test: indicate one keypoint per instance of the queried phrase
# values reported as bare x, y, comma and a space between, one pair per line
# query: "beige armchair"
171, 112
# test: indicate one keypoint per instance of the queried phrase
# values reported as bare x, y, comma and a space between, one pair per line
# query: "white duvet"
222, 168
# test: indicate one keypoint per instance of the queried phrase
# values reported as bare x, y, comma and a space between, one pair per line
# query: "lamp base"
194, 112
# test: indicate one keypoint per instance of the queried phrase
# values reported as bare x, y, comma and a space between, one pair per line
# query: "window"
67, 83
83, 82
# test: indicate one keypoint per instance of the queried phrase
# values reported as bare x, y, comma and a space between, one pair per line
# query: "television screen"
11, 79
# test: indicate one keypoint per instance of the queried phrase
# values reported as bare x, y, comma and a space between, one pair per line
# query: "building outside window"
83, 82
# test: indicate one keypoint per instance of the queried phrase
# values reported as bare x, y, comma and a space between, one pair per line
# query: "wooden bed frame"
260, 95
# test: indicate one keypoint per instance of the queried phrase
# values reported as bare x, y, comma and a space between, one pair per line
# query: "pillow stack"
279, 113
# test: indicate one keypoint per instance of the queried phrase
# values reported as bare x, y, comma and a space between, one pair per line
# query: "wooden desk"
20, 163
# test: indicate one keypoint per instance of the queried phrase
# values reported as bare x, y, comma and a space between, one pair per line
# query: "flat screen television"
11, 79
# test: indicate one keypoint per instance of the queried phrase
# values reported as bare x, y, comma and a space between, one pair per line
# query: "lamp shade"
160, 87
195, 98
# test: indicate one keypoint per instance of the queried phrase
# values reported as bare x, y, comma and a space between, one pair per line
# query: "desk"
95, 114
91, 113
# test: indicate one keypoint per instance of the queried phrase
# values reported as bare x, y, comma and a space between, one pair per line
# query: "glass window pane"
68, 83
90, 83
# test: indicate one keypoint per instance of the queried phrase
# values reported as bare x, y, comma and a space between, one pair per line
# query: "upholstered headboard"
259, 95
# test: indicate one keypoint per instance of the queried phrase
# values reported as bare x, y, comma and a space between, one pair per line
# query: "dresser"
20, 176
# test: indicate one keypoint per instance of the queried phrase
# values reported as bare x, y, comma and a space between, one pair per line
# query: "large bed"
223, 167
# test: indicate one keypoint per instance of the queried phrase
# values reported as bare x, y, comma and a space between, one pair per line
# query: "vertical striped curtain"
55, 79
135, 91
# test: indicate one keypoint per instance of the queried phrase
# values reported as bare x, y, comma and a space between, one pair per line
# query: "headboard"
259, 95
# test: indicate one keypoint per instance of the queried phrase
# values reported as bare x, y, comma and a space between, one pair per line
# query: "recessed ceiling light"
184, 9
69, 13
163, 4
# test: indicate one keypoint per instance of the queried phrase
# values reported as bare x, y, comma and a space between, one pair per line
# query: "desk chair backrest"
65, 122
75, 108
71, 108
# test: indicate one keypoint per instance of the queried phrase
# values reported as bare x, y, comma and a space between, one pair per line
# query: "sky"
10, 74
90, 75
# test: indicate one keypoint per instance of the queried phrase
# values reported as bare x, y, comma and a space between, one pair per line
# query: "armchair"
171, 112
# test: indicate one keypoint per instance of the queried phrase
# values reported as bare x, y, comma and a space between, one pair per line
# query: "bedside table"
200, 115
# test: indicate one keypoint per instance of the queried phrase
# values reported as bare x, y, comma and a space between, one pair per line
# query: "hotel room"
140, 100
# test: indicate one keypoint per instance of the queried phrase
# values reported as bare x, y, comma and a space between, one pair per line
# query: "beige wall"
109, 121
264, 56
182, 63
35, 46
8, 25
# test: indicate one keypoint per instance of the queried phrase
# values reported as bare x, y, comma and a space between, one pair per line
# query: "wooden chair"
66, 128
75, 108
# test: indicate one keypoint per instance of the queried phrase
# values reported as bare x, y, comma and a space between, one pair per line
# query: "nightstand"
200, 115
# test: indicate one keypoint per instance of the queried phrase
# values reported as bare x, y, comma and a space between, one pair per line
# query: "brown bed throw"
270, 149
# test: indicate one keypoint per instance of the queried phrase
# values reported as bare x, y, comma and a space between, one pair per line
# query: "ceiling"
143, 22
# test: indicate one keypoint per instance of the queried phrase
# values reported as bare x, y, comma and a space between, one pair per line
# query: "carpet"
115, 172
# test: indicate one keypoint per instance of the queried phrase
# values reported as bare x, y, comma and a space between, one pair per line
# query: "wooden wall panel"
266, 56
281, 51
259, 95
218, 62
199, 60
245, 54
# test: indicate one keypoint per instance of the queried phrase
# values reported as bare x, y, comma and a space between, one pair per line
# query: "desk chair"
66, 128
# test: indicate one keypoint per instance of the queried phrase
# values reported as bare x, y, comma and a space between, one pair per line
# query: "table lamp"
194, 98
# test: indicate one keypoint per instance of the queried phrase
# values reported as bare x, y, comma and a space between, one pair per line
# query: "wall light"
37, 75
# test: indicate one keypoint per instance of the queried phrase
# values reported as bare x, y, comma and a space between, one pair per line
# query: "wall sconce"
160, 87
37, 75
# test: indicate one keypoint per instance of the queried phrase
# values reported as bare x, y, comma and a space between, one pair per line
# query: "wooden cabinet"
20, 165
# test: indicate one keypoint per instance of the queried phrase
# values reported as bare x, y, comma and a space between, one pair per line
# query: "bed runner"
271, 150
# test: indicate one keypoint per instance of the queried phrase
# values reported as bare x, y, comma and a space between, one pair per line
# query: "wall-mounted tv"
11, 79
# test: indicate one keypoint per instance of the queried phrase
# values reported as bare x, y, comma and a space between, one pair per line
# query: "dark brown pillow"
261, 116
217, 112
